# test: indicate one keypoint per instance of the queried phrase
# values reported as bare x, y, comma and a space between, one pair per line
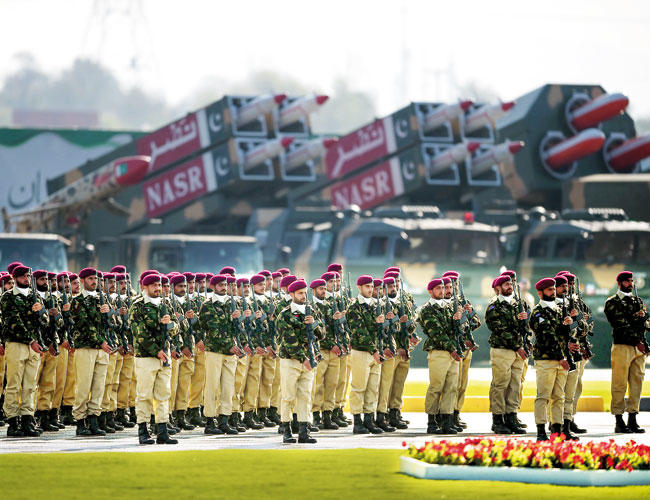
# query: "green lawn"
307, 474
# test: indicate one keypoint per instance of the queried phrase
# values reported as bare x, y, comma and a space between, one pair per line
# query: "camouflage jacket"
217, 325
185, 337
246, 325
391, 327
149, 332
586, 326
627, 328
363, 328
403, 332
54, 331
342, 304
292, 333
265, 328
551, 336
19, 323
89, 328
325, 310
436, 321
196, 303
505, 328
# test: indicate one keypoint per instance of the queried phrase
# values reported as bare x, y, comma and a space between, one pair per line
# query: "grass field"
307, 474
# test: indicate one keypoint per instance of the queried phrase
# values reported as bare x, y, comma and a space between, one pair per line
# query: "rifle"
258, 322
380, 331
51, 304
388, 323
586, 353
272, 322
43, 312
403, 327
590, 322
338, 328
125, 320
310, 332
468, 315
106, 323
68, 322
523, 324
639, 302
247, 321
570, 358
188, 339
164, 331
458, 330
236, 325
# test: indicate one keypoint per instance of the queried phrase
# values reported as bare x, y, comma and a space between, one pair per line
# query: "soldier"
507, 357
241, 288
273, 413
221, 351
91, 353
297, 358
436, 319
128, 361
550, 351
628, 316
63, 296
197, 382
269, 360
67, 401
21, 320
343, 296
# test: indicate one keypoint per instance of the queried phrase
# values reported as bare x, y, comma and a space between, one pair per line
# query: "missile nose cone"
472, 146
320, 99
328, 143
278, 98
513, 147
286, 141
507, 106
131, 169
465, 105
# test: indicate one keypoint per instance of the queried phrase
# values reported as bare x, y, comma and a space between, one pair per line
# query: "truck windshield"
205, 256
616, 247
35, 253
473, 247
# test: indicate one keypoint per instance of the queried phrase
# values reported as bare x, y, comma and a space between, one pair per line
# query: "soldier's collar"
393, 300
113, 296
622, 294
437, 302
260, 298
548, 304
362, 300
220, 298
328, 294
181, 300
297, 307
447, 300
508, 299
22, 291
152, 300
318, 301
88, 293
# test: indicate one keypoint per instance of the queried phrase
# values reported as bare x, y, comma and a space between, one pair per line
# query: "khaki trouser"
219, 383
551, 380
266, 381
240, 383
505, 387
523, 379
326, 380
386, 383
185, 371
115, 383
154, 386
22, 372
276, 395
173, 380
628, 370
46, 382
296, 390
70, 381
463, 379
125, 382
581, 370
443, 383
570, 392
344, 377
134, 388
252, 385
197, 385
399, 379
61, 377
365, 382
90, 367
108, 384
2, 372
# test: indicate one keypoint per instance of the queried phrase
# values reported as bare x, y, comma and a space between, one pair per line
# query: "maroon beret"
335, 266
87, 272
500, 280
257, 278
189, 276
327, 276
100, 274
120, 277
494, 283
389, 280
560, 280
287, 280
392, 269
336, 274
283, 270
365, 279
276, 274
13, 265
446, 280
624, 275
391, 274
434, 283
562, 272
265, 272
231, 279
450, 273
4, 278
51, 275
172, 273
218, 278
242, 281
109, 276
61, 275
508, 272
544, 283
297, 285
19, 270
199, 276
377, 282
147, 273
227, 270
164, 280
569, 277
177, 279
151, 278
73, 276
118, 269
317, 282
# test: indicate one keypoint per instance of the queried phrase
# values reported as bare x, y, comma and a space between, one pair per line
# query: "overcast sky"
398, 51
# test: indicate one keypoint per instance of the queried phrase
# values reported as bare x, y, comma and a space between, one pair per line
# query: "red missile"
265, 151
598, 110
495, 155
307, 151
486, 115
628, 153
300, 108
257, 107
574, 148
452, 155
130, 170
444, 113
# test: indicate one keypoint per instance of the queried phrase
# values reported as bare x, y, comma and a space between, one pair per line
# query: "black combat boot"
520, 423
432, 425
132, 416
163, 435
82, 428
123, 420
621, 426
499, 425
510, 420
211, 428
457, 421
393, 419
28, 426
541, 433
14, 429
232, 421
317, 420
44, 422
632, 425
566, 430
287, 438
204, 421
261, 414
556, 429
303, 434
172, 428
143, 434
399, 415
103, 424
328, 423
93, 426
274, 416
194, 417
153, 428
575, 429
110, 422
55, 419
338, 418
369, 423
359, 428
294, 424
382, 422
250, 423
68, 419
3, 417
181, 421
225, 427
447, 424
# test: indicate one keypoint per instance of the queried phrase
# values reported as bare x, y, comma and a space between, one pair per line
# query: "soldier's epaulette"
137, 300
492, 306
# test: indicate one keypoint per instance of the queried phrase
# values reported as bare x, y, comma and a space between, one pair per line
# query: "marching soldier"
63, 289
274, 408
67, 401
550, 351
126, 379
21, 320
343, 297
628, 316
267, 332
436, 320
149, 320
507, 357
197, 382
237, 286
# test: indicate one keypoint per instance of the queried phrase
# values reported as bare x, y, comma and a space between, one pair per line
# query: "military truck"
36, 250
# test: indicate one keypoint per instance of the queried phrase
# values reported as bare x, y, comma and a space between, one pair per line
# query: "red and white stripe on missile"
486, 115
308, 151
598, 110
300, 108
574, 148
454, 154
495, 155
628, 153
444, 113
265, 151
259, 106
